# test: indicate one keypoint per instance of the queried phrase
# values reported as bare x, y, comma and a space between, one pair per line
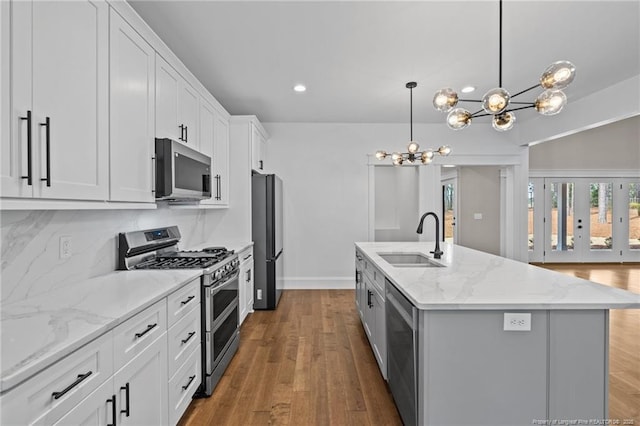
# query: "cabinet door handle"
126, 399
218, 187
261, 164
186, 134
114, 415
29, 176
246, 257
153, 174
149, 328
47, 124
80, 378
189, 299
369, 299
191, 379
193, 333
181, 132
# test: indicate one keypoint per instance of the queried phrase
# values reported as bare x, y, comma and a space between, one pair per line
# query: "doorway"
584, 220
449, 209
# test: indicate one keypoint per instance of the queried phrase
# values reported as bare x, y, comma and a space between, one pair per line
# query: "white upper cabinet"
177, 105
258, 142
58, 146
132, 67
214, 142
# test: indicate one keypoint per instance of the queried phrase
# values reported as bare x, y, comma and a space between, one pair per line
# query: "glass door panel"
601, 216
562, 217
632, 199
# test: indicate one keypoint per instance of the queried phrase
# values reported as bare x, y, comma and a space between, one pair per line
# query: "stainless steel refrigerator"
266, 220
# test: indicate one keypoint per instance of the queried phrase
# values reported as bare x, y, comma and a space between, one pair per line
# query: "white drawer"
184, 338
181, 301
50, 394
183, 385
137, 333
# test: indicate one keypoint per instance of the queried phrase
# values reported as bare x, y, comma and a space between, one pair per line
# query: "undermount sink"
409, 260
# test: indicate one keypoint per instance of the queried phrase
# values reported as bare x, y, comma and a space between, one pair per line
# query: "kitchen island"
475, 362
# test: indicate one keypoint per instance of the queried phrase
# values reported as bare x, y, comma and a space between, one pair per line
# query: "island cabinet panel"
578, 357
474, 372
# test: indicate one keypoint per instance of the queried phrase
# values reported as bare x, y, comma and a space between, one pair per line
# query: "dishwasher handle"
408, 317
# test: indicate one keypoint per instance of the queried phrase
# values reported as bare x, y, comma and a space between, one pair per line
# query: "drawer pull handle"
80, 378
193, 333
113, 410
29, 175
126, 398
149, 328
191, 379
189, 299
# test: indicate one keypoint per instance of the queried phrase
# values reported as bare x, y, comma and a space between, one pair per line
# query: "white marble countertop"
471, 279
39, 331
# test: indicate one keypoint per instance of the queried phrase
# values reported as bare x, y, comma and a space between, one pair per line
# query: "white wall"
325, 174
614, 146
479, 193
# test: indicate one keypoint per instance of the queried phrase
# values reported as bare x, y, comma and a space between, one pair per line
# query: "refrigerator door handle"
273, 259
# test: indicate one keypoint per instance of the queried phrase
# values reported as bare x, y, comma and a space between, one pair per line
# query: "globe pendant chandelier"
425, 157
498, 103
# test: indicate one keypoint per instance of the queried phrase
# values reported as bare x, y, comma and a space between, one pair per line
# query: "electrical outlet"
517, 321
259, 294
65, 247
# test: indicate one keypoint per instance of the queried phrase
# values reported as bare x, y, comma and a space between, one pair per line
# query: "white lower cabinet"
98, 409
245, 294
124, 377
183, 385
141, 387
371, 305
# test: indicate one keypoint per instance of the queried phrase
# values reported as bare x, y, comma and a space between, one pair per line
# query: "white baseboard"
319, 283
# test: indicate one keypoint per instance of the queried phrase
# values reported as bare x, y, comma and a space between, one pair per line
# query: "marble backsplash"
30, 243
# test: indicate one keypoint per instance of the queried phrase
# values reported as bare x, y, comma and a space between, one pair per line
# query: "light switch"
477, 216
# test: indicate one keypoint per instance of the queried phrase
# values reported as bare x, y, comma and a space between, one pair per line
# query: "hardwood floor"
624, 337
309, 362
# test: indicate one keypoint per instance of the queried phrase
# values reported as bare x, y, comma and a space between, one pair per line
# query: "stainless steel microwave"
182, 173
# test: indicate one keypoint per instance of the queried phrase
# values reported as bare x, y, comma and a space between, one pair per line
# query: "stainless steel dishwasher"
402, 353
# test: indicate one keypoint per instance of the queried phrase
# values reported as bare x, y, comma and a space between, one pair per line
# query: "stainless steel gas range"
158, 249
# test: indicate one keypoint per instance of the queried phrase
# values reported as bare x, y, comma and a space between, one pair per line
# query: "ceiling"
355, 57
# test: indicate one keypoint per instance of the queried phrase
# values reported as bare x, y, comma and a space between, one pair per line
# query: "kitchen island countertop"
471, 279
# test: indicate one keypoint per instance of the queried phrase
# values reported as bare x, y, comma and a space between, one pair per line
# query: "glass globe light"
444, 150
397, 161
413, 147
495, 100
503, 122
445, 99
381, 155
427, 157
558, 75
550, 102
458, 118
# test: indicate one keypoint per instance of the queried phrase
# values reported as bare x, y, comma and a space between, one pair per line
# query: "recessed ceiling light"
448, 165
300, 88
468, 89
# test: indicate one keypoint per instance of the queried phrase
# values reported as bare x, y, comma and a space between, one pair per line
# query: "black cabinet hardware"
369, 304
248, 278
182, 126
261, 164
149, 328
113, 410
191, 378
188, 337
47, 124
186, 134
218, 179
80, 378
189, 299
125, 388
29, 176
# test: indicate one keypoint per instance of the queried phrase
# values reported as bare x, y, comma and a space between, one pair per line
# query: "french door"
589, 220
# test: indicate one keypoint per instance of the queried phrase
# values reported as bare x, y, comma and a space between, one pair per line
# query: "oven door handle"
217, 287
